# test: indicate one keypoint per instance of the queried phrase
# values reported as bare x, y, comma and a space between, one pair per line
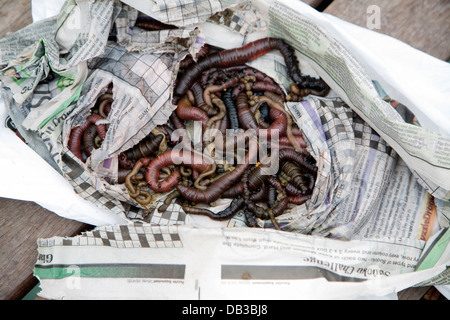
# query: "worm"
104, 106
231, 109
235, 206
150, 24
298, 200
217, 88
240, 56
144, 148
216, 189
168, 200
197, 90
201, 211
271, 195
296, 175
259, 76
301, 159
246, 117
268, 87
186, 111
89, 139
259, 195
309, 85
294, 191
222, 113
142, 162
275, 105
76, 134
193, 160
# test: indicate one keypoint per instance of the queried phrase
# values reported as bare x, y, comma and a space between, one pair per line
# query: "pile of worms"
88, 136
223, 93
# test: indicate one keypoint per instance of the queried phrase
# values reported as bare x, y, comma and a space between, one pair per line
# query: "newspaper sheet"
383, 232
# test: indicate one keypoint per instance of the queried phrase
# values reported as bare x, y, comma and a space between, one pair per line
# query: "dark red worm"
232, 114
268, 87
295, 173
217, 188
145, 147
292, 190
240, 56
260, 195
150, 24
190, 159
197, 90
309, 85
279, 123
186, 111
260, 76
271, 195
89, 139
218, 88
246, 117
232, 209
301, 159
298, 200
76, 134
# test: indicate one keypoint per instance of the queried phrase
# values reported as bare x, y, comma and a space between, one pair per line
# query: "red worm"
197, 90
145, 147
298, 200
255, 181
279, 123
248, 121
260, 76
240, 56
150, 24
218, 187
74, 145
218, 88
300, 158
190, 159
246, 117
76, 134
266, 86
186, 111
89, 139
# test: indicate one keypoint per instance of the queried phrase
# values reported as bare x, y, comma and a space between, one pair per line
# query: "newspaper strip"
175, 262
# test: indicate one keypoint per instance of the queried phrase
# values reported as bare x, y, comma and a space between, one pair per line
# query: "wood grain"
14, 15
423, 24
21, 224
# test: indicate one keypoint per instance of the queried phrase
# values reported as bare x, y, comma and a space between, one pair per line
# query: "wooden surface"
22, 223
14, 15
424, 25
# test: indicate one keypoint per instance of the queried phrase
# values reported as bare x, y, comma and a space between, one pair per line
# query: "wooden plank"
415, 293
423, 24
14, 15
21, 224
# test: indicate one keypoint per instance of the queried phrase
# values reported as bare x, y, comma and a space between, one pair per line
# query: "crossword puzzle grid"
136, 235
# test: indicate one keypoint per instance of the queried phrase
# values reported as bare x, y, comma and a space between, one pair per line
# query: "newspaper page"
365, 240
